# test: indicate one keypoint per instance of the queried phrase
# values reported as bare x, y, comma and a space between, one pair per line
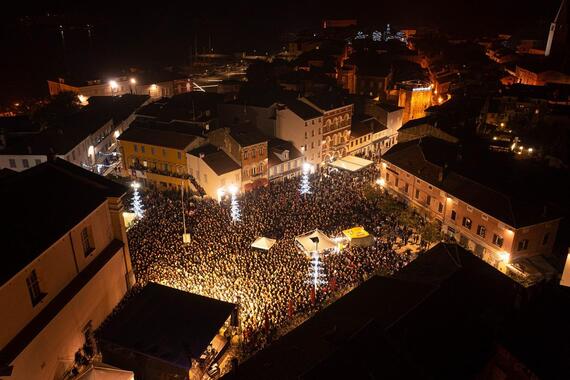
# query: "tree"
59, 107
431, 232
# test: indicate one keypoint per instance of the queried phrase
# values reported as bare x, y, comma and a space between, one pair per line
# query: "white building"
214, 170
285, 161
301, 124
65, 266
87, 138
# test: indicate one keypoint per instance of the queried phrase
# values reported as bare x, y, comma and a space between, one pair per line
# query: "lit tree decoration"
360, 36
317, 271
305, 185
235, 211
376, 36
137, 201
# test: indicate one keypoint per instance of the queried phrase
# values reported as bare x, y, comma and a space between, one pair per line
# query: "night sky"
128, 33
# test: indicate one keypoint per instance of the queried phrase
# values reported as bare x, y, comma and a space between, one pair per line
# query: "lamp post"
133, 83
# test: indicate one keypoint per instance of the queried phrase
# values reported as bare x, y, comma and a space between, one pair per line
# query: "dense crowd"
270, 287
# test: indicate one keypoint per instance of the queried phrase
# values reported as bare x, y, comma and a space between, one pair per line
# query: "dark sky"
130, 33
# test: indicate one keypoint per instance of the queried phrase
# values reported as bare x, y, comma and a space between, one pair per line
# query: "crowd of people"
273, 287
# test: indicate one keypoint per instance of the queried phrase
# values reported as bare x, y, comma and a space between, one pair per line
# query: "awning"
263, 243
316, 241
351, 163
102, 371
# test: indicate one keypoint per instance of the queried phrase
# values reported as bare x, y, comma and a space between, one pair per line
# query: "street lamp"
133, 83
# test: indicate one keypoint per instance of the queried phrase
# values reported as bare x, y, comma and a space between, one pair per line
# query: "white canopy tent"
316, 241
263, 243
351, 163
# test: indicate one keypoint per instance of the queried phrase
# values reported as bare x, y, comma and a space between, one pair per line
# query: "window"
86, 241
164, 153
397, 181
38, 161
387, 177
466, 223
545, 238
453, 215
25, 163
319, 130
142, 149
34, 290
523, 245
179, 155
305, 134
12, 163
481, 230
152, 151
136, 148
417, 194
498, 240
313, 133
440, 207
406, 187
428, 200
312, 145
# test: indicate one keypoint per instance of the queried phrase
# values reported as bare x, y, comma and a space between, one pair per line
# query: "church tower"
558, 31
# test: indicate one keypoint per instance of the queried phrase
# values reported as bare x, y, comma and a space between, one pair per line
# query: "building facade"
415, 97
492, 225
157, 156
61, 287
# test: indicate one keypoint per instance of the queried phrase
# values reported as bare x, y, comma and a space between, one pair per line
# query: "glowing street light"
381, 182
133, 81
114, 85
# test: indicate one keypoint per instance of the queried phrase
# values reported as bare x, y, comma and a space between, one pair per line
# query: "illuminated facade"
64, 285
157, 156
491, 224
415, 97
337, 120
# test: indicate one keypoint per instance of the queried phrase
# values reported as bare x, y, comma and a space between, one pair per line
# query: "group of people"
271, 288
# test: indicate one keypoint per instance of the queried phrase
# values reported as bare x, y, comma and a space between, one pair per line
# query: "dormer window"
286, 154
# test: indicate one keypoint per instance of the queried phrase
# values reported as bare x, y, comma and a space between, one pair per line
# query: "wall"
32, 161
209, 180
417, 195
291, 127
54, 347
55, 268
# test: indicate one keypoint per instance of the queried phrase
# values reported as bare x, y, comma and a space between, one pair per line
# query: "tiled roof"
432, 160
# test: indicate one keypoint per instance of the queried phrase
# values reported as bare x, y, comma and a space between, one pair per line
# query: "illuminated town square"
275, 287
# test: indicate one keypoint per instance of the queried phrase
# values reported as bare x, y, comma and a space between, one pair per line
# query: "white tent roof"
351, 163
106, 372
263, 243
324, 241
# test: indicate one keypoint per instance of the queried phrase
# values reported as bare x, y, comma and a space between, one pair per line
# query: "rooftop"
427, 321
166, 323
302, 109
278, 146
329, 101
144, 133
216, 159
77, 127
33, 199
436, 162
364, 124
247, 135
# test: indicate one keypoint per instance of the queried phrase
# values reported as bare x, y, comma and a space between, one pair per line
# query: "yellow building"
156, 155
415, 97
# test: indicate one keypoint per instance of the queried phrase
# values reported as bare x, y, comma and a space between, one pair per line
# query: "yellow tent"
355, 233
